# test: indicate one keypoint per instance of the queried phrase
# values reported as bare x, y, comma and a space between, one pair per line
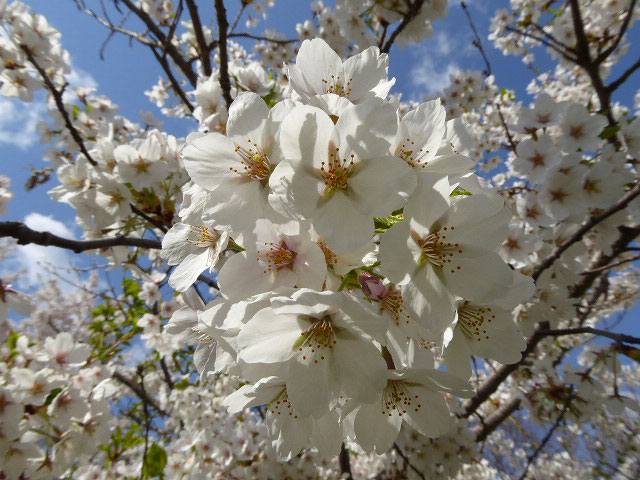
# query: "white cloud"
18, 121
431, 76
81, 78
42, 263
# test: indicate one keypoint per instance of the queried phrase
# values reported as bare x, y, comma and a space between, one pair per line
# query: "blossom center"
437, 251
255, 162
398, 399
406, 151
202, 236
471, 319
335, 172
278, 256
337, 86
317, 339
392, 303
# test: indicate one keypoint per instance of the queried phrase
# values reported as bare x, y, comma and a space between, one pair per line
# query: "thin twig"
404, 457
202, 43
618, 337
625, 24
414, 9
139, 391
588, 225
57, 97
531, 458
478, 44
261, 38
174, 82
612, 265
223, 74
26, 235
613, 86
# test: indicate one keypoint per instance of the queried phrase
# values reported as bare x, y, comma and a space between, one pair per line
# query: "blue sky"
129, 69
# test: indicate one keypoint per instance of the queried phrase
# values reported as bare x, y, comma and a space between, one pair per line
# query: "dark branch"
531, 458
618, 337
139, 391
612, 265
223, 74
25, 236
414, 9
345, 463
264, 39
588, 225
174, 82
623, 28
202, 43
478, 44
57, 97
172, 50
613, 86
404, 457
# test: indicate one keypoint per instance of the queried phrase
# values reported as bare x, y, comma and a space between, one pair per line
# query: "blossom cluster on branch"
324, 280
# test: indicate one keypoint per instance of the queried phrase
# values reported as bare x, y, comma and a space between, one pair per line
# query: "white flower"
420, 139
141, 165
535, 158
63, 350
446, 248
339, 177
580, 129
282, 255
289, 431
545, 113
481, 330
193, 249
411, 395
235, 168
324, 344
11, 299
319, 70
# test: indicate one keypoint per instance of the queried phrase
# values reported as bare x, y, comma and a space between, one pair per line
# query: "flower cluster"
353, 246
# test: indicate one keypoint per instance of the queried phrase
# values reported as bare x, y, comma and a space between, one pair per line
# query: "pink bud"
372, 286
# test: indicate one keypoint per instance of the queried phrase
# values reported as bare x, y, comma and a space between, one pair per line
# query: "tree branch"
223, 74
404, 457
57, 97
264, 39
26, 235
613, 86
588, 225
202, 43
173, 52
531, 458
414, 9
625, 24
345, 463
618, 337
612, 265
139, 391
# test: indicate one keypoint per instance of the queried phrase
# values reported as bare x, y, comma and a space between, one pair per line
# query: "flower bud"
372, 286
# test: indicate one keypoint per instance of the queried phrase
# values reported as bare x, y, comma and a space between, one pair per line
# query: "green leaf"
12, 341
460, 191
52, 394
383, 224
609, 132
156, 461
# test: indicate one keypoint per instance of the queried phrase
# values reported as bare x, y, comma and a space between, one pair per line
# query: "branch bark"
202, 43
223, 74
588, 225
57, 97
414, 9
138, 390
26, 235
